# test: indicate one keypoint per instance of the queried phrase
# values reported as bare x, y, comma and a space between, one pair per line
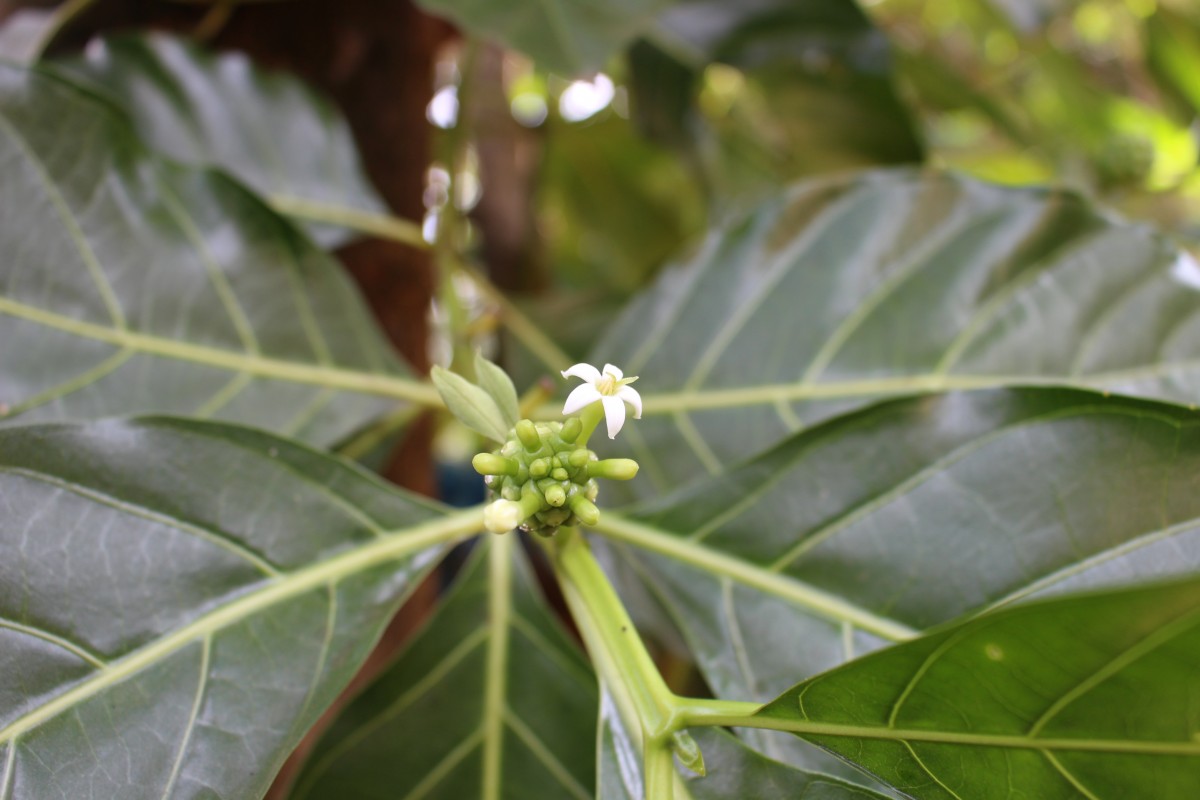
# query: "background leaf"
844, 291
133, 286
490, 700
172, 631
1079, 697
267, 129
812, 92
565, 36
875, 526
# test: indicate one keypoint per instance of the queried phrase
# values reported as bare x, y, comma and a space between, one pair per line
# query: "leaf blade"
514, 699
1110, 644
207, 109
473, 405
845, 291
224, 628
137, 286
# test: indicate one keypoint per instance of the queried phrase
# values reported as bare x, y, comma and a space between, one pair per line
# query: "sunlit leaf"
129, 285
845, 291
268, 129
1079, 697
873, 527
180, 600
491, 700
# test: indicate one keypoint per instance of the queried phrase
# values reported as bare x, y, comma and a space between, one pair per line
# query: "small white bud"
502, 516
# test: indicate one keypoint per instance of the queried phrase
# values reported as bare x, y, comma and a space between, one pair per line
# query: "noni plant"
886, 486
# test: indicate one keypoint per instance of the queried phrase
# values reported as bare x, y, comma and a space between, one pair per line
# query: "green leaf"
845, 291
473, 406
871, 528
1088, 696
490, 700
180, 600
814, 93
1172, 40
736, 771
495, 381
268, 129
566, 36
134, 286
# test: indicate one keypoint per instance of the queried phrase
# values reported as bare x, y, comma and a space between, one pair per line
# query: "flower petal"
614, 415
585, 371
582, 395
632, 397
614, 371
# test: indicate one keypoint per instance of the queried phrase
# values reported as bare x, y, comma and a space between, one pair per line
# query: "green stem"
590, 416
382, 225
450, 220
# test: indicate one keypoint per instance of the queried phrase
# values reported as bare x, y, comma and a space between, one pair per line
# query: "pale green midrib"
496, 680
765, 394
819, 602
1006, 741
382, 225
346, 379
397, 545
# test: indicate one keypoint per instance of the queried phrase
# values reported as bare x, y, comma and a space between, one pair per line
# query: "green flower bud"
528, 434
615, 469
492, 464
543, 480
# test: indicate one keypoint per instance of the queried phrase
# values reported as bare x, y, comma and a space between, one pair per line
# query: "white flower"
611, 388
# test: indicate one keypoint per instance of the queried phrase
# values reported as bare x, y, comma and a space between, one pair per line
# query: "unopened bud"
614, 469
571, 430
584, 509
528, 434
492, 464
502, 516
555, 495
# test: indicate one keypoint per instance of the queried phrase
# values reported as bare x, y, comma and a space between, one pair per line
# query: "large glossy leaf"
875, 526
1089, 697
567, 36
491, 700
129, 285
269, 130
845, 291
180, 600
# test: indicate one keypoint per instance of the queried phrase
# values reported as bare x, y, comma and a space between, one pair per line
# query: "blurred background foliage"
603, 141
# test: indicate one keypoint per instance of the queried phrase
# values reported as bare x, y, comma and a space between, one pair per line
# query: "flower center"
607, 385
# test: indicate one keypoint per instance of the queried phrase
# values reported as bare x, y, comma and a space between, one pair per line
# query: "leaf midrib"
807, 728
270, 593
260, 366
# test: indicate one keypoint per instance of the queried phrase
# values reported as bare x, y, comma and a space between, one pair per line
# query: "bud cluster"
543, 479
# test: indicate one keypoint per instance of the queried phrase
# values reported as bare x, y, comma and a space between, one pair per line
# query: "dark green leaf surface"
132, 286
566, 36
491, 700
880, 524
269, 130
845, 291
735, 772
180, 600
1083, 697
